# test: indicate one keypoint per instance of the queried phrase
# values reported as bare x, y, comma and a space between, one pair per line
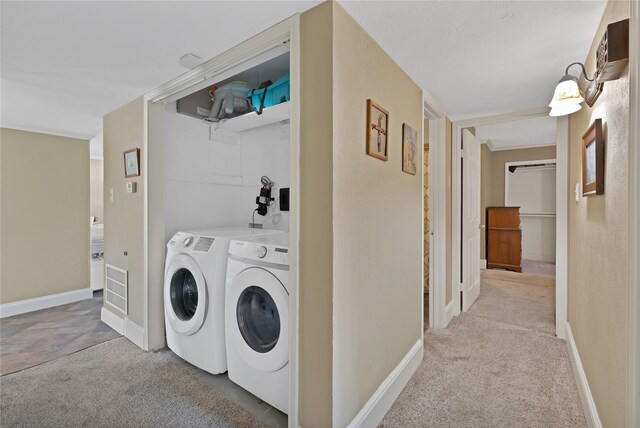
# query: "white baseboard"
44, 302
449, 312
387, 393
483, 264
112, 320
134, 332
588, 404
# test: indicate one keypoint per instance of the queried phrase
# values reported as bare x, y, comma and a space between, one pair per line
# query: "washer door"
260, 303
185, 295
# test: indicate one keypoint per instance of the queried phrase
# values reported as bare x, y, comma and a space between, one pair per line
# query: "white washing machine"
194, 287
257, 317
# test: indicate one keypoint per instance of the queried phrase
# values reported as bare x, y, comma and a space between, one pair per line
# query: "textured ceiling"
65, 64
540, 131
479, 58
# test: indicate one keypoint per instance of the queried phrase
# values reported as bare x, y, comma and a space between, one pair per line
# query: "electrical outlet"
221, 136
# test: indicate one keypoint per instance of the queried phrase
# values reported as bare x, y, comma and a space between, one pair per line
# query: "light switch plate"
111, 194
578, 192
131, 187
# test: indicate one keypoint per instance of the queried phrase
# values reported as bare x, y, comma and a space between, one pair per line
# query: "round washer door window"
184, 294
258, 319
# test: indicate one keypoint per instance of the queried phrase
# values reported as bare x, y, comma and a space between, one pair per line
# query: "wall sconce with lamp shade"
612, 57
568, 96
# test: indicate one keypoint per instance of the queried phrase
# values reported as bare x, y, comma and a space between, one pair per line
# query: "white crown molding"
493, 148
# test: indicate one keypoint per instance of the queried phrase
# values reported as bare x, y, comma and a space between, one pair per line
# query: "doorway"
502, 134
426, 232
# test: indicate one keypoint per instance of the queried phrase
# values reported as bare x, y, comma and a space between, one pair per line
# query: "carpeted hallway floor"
114, 384
498, 365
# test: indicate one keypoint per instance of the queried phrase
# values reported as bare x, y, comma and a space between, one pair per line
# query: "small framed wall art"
377, 130
409, 149
593, 160
132, 163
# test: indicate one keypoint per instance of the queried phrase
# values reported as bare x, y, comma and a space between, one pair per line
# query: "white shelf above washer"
273, 114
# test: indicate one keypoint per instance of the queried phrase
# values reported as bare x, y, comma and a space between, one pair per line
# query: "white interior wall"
533, 190
215, 184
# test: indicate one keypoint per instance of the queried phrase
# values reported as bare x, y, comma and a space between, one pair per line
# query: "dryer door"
185, 295
260, 334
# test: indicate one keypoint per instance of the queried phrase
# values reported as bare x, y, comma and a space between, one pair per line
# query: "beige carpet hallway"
498, 365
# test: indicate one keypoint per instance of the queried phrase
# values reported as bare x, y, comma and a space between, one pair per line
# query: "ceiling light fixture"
568, 96
190, 61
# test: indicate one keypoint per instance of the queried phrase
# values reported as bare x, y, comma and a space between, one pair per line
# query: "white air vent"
116, 288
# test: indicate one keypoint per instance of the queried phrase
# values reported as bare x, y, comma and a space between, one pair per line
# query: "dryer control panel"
260, 251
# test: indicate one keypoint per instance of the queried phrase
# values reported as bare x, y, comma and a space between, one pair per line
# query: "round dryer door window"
184, 294
258, 319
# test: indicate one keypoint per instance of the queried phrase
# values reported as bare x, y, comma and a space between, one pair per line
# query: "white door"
470, 219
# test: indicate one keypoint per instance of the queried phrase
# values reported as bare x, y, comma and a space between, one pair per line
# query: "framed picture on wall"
377, 130
409, 149
132, 163
593, 160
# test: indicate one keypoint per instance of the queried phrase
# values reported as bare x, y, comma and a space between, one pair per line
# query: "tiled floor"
34, 338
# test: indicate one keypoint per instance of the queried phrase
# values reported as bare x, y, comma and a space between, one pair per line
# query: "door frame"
633, 393
153, 163
437, 211
562, 205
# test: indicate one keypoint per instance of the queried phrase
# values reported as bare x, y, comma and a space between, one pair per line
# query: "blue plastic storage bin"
277, 93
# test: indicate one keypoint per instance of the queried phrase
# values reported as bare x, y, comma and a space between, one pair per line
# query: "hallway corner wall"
377, 220
124, 129
599, 243
315, 390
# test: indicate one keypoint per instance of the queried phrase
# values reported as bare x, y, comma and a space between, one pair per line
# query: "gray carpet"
498, 365
538, 268
114, 384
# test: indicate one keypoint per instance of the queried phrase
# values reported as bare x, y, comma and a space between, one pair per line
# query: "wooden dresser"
504, 238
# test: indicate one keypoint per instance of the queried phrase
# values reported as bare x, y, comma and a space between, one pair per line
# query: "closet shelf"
273, 114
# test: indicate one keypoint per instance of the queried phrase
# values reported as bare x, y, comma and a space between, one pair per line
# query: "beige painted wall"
96, 186
316, 221
598, 244
492, 177
45, 205
377, 217
123, 218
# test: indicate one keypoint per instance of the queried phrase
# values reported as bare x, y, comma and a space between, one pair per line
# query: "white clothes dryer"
257, 317
194, 287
